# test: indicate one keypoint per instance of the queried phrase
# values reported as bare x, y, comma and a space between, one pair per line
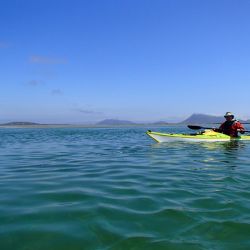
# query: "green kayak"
207, 136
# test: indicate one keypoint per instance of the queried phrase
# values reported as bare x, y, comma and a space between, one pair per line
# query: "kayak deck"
207, 135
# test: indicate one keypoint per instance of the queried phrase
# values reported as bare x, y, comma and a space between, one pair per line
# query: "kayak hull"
208, 136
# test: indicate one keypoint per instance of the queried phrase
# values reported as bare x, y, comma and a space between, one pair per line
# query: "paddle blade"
194, 127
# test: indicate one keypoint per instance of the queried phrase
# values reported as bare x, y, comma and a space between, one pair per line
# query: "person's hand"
241, 131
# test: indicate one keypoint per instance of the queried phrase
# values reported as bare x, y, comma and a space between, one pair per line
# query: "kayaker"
231, 126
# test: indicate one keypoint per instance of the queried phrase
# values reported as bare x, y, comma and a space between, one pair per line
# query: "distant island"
30, 125
207, 119
20, 124
115, 122
193, 119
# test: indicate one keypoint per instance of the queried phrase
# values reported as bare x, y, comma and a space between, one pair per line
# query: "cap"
229, 114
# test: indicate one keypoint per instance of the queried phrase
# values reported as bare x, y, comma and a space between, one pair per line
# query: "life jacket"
228, 128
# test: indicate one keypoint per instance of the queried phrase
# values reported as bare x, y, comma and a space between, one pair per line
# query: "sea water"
115, 188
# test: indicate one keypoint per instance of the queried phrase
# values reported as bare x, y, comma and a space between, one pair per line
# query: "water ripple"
117, 189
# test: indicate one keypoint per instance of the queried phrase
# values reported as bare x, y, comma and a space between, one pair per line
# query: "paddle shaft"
194, 127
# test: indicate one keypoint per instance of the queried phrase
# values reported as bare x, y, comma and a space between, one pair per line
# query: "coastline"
87, 126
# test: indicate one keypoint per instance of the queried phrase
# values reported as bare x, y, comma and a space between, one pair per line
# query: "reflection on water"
227, 145
213, 154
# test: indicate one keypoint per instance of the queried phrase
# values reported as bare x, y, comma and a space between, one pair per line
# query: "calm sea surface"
106, 188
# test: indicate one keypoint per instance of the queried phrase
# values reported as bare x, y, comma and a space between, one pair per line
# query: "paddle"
194, 127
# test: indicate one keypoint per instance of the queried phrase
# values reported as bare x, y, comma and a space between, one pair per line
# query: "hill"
115, 122
203, 118
160, 123
20, 124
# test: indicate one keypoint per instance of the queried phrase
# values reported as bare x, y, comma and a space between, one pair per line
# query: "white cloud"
56, 92
46, 60
4, 45
34, 83
87, 111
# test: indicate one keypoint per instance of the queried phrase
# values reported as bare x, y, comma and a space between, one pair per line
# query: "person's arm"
240, 128
220, 129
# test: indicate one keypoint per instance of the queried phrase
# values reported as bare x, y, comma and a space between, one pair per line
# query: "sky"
79, 61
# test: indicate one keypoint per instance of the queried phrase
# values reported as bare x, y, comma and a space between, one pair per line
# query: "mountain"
160, 123
19, 124
202, 118
115, 122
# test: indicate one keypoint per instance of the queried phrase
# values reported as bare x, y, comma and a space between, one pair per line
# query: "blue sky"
143, 60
